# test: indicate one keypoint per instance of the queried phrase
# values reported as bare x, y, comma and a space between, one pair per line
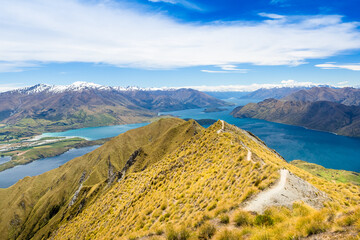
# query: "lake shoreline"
14, 162
10, 176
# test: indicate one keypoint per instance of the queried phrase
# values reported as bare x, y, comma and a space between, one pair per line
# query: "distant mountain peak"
81, 86
33, 89
74, 87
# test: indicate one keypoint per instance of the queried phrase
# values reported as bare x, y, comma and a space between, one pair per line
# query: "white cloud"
253, 87
105, 32
352, 66
271, 15
228, 68
344, 83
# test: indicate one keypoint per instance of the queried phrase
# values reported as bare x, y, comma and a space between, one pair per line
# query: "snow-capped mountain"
81, 86
83, 104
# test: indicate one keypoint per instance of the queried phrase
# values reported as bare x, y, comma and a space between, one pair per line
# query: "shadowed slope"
347, 96
34, 205
320, 115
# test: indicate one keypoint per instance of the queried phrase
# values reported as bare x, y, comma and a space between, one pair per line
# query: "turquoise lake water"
12, 175
326, 149
95, 133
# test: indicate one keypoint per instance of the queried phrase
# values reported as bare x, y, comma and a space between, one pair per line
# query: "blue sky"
174, 43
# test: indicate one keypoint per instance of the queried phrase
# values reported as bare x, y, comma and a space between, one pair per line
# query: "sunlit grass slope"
33, 206
171, 180
197, 192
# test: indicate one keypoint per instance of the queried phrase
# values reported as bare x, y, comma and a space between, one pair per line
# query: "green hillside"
329, 174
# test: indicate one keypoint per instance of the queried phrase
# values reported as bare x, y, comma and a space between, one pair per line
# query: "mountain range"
319, 108
174, 179
53, 108
347, 96
277, 93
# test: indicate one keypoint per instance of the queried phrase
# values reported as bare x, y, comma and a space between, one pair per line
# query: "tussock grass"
206, 231
226, 234
188, 183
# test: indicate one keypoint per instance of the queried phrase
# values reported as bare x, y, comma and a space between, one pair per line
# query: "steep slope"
320, 115
199, 187
170, 173
33, 206
347, 96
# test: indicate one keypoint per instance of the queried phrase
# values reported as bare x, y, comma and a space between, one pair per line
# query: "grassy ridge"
197, 191
206, 176
34, 206
185, 182
328, 174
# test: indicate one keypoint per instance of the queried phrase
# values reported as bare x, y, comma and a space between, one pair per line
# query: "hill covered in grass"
174, 180
329, 174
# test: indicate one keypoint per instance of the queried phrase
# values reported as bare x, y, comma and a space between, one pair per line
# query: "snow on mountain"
81, 86
74, 87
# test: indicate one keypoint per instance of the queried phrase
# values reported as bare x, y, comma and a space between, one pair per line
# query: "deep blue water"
292, 142
12, 175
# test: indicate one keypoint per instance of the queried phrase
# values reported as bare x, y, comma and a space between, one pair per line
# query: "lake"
326, 149
94, 133
12, 175
292, 142
4, 159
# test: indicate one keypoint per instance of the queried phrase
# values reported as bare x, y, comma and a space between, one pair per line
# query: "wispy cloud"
184, 3
352, 66
279, 2
271, 15
344, 83
111, 33
227, 69
166, 1
253, 87
10, 86
6, 66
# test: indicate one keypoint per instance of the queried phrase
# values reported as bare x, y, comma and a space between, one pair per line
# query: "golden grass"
190, 183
